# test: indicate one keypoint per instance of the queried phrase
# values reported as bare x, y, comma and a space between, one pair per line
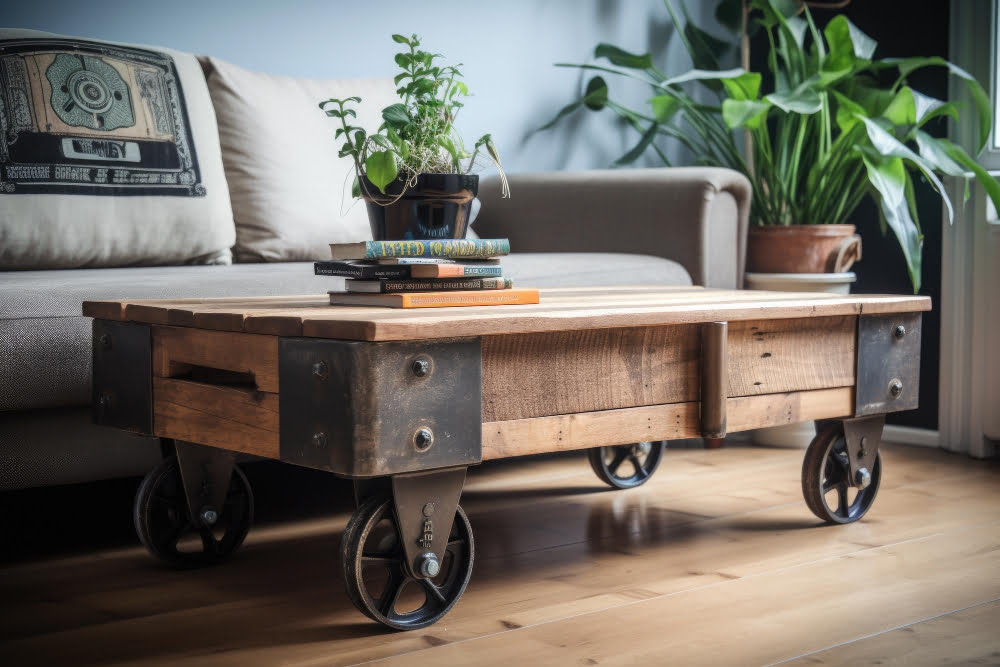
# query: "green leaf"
449, 145
849, 113
750, 114
623, 58
404, 60
703, 75
664, 107
356, 187
396, 116
979, 97
639, 148
888, 177
399, 39
381, 169
901, 110
399, 77
846, 43
803, 100
989, 183
565, 111
596, 96
886, 144
743, 87
936, 154
707, 50
382, 141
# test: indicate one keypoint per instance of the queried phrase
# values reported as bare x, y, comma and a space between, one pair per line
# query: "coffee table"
403, 401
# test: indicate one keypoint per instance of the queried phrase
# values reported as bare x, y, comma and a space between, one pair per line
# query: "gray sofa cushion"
45, 342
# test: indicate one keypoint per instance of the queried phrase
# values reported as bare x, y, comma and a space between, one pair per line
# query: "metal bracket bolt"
895, 388
420, 367
209, 516
321, 370
105, 341
319, 439
427, 565
423, 438
899, 332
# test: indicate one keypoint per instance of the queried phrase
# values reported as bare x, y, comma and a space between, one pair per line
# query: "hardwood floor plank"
963, 637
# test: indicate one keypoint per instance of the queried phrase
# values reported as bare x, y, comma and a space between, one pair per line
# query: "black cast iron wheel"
826, 479
167, 530
626, 466
380, 584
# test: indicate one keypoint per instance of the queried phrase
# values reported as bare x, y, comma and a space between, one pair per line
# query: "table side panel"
657, 422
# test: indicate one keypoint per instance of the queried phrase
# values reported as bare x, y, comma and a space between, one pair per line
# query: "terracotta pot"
438, 207
802, 248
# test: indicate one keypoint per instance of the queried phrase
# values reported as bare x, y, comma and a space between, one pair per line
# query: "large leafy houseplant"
417, 141
834, 125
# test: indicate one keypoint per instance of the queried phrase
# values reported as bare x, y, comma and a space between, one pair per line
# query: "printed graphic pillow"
109, 156
286, 181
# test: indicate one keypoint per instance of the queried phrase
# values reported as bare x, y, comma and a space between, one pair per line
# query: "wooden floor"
715, 561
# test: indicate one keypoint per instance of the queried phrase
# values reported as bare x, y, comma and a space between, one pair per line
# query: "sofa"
212, 200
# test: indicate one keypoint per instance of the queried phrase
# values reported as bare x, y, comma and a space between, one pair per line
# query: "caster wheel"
380, 584
167, 530
826, 475
626, 466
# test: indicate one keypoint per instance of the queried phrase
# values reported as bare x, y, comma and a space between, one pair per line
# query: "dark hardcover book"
362, 271
428, 285
444, 248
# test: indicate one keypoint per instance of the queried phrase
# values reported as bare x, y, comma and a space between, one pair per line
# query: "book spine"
434, 285
361, 271
456, 270
451, 249
444, 300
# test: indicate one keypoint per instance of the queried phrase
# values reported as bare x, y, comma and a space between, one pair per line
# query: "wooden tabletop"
561, 309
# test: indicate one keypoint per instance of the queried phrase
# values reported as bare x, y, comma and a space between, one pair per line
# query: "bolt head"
428, 509
423, 438
895, 388
862, 478
900, 331
428, 565
105, 341
209, 516
420, 367
321, 370
319, 439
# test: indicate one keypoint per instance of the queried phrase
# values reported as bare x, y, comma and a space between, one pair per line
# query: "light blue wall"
507, 47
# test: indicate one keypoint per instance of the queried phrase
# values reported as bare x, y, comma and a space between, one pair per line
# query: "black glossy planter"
438, 207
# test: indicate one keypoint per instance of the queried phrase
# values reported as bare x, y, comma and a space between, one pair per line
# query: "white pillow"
291, 194
109, 156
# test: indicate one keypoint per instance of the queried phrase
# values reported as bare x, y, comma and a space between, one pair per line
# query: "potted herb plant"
834, 126
413, 173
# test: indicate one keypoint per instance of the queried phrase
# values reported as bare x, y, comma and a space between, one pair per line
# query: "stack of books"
423, 274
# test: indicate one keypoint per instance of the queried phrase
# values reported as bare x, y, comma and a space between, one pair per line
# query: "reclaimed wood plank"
534, 375
177, 349
656, 422
234, 418
772, 356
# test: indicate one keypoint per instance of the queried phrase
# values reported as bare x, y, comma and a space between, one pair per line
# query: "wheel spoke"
434, 592
842, 499
621, 453
639, 470
170, 540
378, 560
393, 587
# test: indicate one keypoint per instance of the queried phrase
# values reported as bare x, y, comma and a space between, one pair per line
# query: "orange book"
504, 297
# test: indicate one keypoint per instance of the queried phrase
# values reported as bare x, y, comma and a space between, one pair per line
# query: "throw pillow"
291, 193
109, 156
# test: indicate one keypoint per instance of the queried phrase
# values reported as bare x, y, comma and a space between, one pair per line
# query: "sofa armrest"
696, 216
